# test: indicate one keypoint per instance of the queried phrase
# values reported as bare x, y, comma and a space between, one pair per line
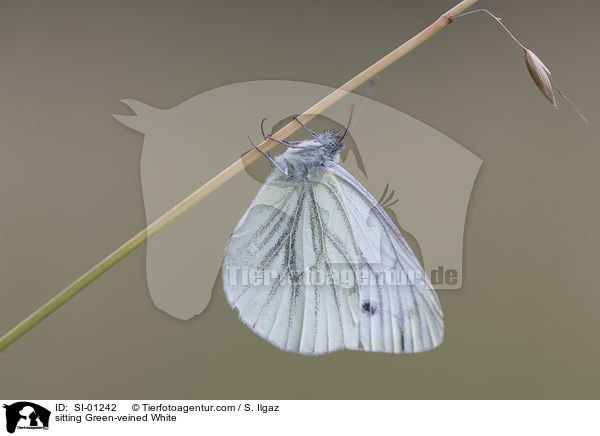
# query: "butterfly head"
331, 141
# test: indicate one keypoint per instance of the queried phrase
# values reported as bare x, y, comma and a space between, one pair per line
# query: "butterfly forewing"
400, 311
304, 269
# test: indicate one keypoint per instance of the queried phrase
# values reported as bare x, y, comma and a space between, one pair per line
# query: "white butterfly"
316, 265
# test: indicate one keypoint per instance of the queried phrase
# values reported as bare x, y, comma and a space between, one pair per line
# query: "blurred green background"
523, 326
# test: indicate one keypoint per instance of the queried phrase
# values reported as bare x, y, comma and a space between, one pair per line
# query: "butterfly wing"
400, 311
283, 265
302, 265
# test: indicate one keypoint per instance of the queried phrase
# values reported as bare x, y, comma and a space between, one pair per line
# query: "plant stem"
498, 20
236, 167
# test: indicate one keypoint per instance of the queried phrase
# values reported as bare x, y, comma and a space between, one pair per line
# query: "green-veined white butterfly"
316, 265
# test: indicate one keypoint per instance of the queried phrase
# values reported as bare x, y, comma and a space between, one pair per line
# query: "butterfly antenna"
262, 127
370, 86
349, 121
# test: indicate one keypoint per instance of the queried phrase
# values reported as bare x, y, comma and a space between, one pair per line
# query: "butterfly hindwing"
287, 240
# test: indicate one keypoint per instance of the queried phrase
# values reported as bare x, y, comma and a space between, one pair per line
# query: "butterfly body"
310, 265
312, 153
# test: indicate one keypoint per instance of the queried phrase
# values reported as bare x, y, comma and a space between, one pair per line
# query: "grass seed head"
540, 75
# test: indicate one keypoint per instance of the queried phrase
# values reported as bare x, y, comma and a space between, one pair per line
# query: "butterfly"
316, 265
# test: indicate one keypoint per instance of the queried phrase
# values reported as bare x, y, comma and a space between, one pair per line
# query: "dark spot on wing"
368, 307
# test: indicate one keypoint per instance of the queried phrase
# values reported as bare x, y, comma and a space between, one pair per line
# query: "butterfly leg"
289, 144
314, 135
268, 156
286, 143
